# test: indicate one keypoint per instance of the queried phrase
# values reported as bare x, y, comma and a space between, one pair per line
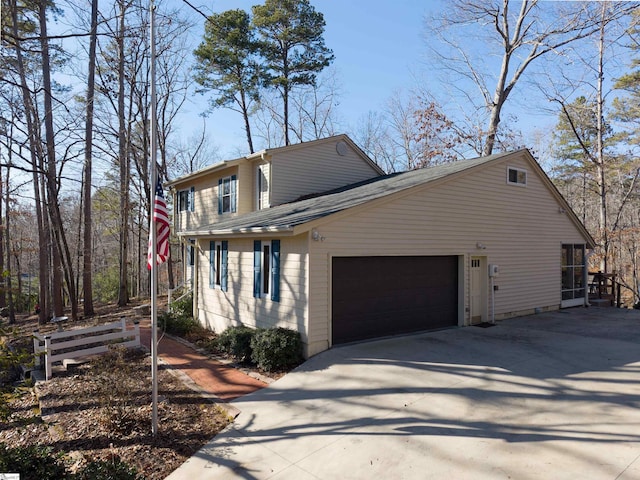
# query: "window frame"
262, 186
574, 270
186, 200
266, 269
218, 264
518, 172
232, 194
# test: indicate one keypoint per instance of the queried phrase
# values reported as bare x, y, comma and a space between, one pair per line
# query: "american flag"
162, 228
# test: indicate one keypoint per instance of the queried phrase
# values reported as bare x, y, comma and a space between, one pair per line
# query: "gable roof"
190, 177
296, 217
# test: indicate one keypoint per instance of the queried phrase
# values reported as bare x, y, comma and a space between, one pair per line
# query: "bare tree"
87, 277
521, 37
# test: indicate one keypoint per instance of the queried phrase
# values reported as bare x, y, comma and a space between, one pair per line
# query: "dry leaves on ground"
103, 409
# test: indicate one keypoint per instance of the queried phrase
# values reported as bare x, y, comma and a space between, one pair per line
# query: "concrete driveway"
550, 396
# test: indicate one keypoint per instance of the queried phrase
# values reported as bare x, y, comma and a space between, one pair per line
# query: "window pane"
567, 278
266, 268
522, 177
218, 264
578, 255
226, 186
226, 204
578, 278
567, 294
565, 255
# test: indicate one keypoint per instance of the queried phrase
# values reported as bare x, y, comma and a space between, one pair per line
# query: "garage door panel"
380, 296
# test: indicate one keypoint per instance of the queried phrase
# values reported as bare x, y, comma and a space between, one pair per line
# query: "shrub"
236, 341
276, 349
114, 469
177, 325
32, 462
183, 307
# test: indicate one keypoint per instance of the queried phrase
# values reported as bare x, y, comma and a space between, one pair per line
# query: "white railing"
51, 343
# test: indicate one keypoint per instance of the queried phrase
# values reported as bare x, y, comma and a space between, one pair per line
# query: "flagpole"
153, 232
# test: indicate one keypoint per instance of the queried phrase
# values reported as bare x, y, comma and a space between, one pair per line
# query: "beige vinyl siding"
315, 169
244, 188
521, 228
218, 310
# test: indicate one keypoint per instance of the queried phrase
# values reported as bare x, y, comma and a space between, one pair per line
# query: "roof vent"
341, 148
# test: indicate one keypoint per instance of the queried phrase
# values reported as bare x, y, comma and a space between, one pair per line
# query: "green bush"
276, 349
236, 341
114, 469
32, 463
177, 325
183, 307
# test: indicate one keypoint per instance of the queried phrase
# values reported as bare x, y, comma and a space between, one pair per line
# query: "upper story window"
186, 199
262, 188
227, 194
516, 176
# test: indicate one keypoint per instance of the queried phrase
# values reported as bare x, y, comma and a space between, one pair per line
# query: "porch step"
70, 364
600, 302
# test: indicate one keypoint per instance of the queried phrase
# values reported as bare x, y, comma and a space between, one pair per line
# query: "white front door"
478, 289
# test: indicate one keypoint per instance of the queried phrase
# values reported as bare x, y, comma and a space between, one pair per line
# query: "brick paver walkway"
210, 375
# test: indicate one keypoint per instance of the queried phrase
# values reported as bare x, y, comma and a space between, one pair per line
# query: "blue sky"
378, 46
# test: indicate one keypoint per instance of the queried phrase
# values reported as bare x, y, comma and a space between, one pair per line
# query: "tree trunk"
600, 161
3, 291
35, 151
87, 277
62, 263
7, 238
123, 291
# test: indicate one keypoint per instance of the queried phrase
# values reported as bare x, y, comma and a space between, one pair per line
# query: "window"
191, 253
218, 264
516, 176
227, 195
573, 264
266, 269
262, 188
186, 199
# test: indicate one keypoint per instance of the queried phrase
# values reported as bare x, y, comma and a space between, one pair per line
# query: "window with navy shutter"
186, 200
266, 269
218, 264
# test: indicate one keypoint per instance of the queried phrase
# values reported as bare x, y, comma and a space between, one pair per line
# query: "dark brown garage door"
379, 296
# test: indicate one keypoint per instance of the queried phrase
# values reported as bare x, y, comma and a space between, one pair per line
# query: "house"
315, 238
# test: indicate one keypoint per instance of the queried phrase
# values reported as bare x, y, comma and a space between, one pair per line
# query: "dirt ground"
103, 408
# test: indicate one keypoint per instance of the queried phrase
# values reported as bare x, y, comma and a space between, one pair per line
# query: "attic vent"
341, 148
516, 176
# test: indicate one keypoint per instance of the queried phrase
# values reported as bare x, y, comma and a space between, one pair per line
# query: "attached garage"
388, 295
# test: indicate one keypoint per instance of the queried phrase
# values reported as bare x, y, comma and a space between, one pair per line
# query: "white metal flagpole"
153, 232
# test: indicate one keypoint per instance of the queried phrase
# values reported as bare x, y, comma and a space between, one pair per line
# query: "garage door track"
554, 395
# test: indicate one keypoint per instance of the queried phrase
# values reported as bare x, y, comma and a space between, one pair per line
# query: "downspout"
196, 270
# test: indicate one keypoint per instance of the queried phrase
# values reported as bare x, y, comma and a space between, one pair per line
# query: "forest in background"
74, 122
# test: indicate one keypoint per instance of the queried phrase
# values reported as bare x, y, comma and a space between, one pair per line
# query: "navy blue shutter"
219, 196
257, 266
212, 264
224, 269
192, 199
233, 193
275, 270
